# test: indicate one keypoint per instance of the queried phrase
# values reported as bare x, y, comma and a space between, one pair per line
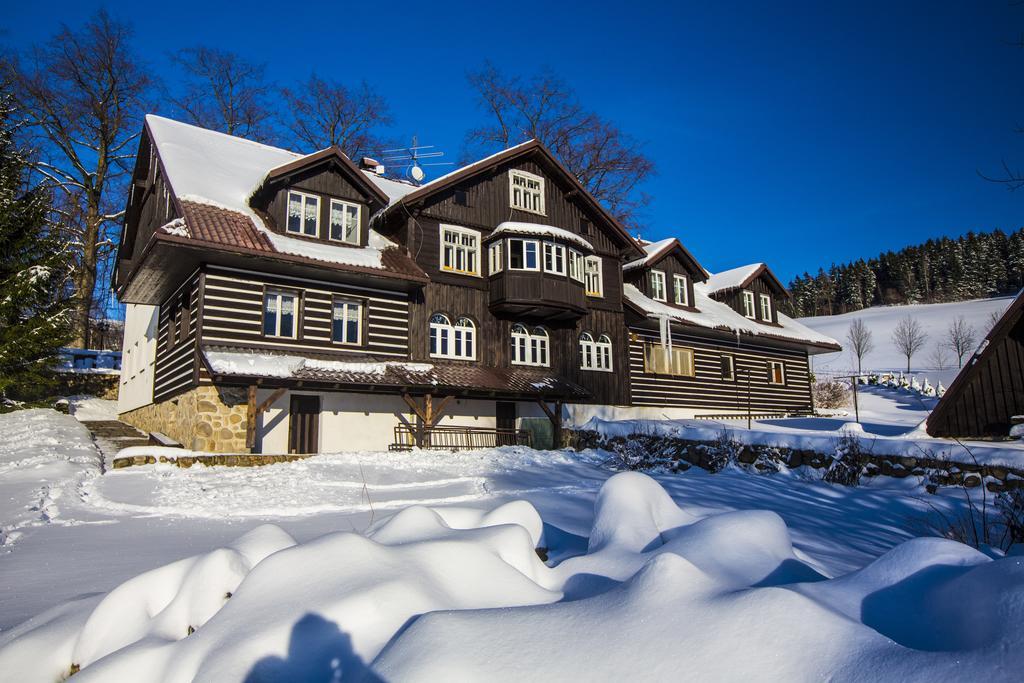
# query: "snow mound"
460, 594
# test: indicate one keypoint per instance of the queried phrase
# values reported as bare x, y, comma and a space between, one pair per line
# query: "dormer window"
658, 285
766, 308
303, 214
748, 304
344, 222
682, 294
526, 191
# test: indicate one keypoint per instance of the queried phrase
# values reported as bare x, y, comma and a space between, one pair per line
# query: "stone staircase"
113, 435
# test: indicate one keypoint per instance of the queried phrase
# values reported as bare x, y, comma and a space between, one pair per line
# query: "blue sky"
798, 134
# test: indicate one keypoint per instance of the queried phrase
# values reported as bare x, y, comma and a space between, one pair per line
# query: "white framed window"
776, 372
460, 250
346, 322
530, 347
494, 257
682, 293
748, 304
766, 307
658, 285
280, 313
554, 258
452, 341
526, 191
344, 222
523, 254
677, 360
595, 355
576, 265
728, 368
593, 282
303, 214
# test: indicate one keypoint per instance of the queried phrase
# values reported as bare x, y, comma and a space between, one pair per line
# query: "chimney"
372, 165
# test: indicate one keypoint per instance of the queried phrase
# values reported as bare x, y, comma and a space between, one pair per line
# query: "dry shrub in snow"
831, 393
848, 465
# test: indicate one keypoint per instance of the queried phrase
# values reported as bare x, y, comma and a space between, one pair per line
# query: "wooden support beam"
263, 407
412, 404
439, 410
555, 416
250, 418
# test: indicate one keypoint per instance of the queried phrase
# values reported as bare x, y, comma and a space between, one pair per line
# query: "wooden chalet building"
988, 392
279, 302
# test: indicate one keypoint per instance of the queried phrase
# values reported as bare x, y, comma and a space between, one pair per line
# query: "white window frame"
494, 257
305, 196
530, 347
280, 295
592, 273
680, 286
732, 367
449, 336
457, 248
678, 361
658, 292
748, 305
595, 355
576, 265
772, 364
555, 253
347, 307
330, 223
525, 242
766, 307
530, 200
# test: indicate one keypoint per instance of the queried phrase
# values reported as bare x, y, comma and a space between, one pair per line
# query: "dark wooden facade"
734, 299
176, 361
989, 390
670, 265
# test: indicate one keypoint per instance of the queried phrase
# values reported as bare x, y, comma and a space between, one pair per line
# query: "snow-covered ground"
646, 577
882, 320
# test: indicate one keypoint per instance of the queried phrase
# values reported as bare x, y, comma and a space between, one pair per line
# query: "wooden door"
304, 424
505, 418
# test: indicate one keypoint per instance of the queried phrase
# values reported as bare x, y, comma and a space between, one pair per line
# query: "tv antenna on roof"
410, 157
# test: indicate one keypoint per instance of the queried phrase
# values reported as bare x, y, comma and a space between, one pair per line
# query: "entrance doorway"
304, 424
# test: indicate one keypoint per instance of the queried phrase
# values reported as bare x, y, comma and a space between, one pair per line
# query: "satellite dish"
417, 173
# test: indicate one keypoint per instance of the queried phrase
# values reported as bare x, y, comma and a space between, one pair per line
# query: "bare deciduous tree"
323, 113
861, 342
83, 94
607, 161
938, 358
961, 338
909, 337
224, 92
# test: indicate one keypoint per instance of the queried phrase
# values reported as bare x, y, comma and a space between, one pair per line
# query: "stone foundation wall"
206, 418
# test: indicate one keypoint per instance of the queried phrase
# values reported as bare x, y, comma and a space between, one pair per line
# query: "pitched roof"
212, 176
715, 315
941, 419
335, 154
741, 277
459, 378
515, 152
655, 251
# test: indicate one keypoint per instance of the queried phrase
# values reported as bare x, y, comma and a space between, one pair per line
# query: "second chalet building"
279, 302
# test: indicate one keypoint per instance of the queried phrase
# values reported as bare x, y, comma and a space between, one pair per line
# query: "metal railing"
459, 438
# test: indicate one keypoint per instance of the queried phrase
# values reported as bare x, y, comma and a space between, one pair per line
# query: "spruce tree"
35, 305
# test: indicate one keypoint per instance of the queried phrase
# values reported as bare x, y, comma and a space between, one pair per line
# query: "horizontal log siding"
233, 314
174, 368
707, 391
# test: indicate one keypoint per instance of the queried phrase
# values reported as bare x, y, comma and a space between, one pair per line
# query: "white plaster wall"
138, 355
577, 415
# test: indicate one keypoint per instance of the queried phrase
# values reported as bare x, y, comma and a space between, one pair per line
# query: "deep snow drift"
456, 593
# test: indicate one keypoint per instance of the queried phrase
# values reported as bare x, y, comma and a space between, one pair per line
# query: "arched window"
595, 355
452, 341
529, 347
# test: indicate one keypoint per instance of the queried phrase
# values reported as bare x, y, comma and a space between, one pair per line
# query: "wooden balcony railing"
459, 438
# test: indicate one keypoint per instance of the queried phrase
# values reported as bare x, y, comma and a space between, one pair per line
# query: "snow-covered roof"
716, 315
538, 230
653, 250
732, 278
207, 167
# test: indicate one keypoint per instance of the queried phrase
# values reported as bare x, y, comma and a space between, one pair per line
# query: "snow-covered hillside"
882, 320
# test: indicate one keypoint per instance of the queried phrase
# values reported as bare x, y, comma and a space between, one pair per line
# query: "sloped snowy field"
882, 320
729, 575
